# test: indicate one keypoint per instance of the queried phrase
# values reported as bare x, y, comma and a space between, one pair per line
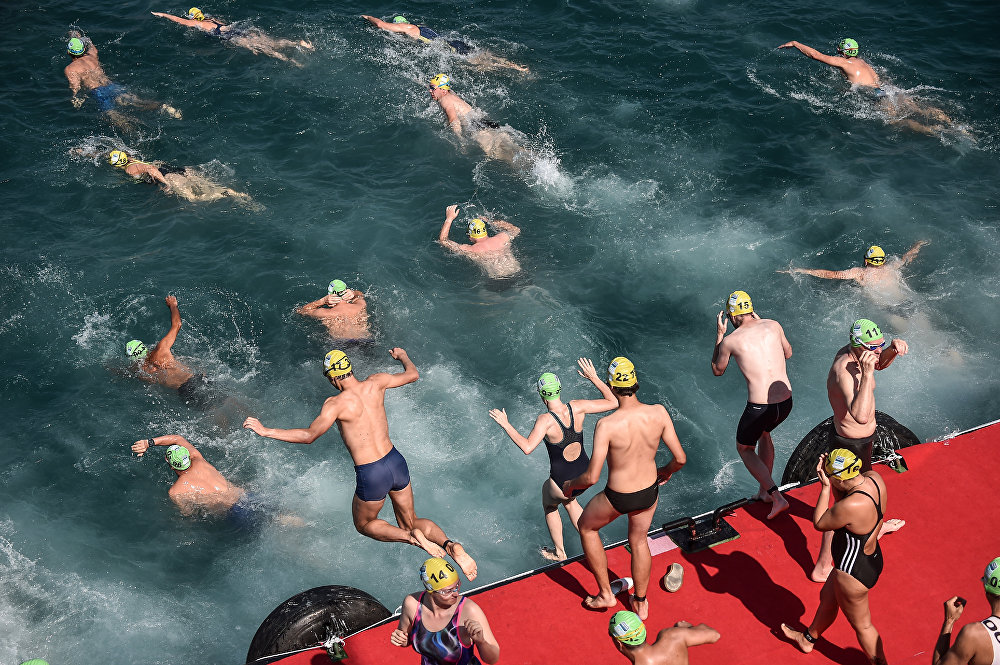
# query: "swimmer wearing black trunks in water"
561, 427
249, 38
854, 520
483, 60
628, 439
359, 413
184, 182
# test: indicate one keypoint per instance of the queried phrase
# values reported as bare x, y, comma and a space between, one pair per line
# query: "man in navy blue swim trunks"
359, 412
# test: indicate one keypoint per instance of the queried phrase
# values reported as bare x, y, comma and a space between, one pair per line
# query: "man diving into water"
483, 60
359, 413
859, 73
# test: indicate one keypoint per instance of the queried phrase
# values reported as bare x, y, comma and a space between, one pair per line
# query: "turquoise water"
681, 157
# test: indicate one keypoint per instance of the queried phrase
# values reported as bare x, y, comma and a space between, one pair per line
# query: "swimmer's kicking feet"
359, 413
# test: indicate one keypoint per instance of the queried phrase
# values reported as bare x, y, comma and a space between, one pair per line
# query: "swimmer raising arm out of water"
358, 410
875, 271
492, 253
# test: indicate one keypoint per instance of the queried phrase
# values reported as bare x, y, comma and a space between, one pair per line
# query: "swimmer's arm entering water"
507, 228
913, 251
832, 60
407, 29
451, 212
176, 19
851, 273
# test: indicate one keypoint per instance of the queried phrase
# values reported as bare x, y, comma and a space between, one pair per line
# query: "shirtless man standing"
359, 413
760, 349
860, 73
465, 120
199, 486
628, 439
492, 253
850, 385
875, 274
85, 72
343, 311
158, 365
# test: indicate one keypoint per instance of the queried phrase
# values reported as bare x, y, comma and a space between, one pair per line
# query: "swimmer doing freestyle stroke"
183, 181
492, 253
359, 413
561, 427
898, 105
251, 39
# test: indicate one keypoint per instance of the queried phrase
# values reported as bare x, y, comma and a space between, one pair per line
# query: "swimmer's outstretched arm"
177, 19
323, 422
451, 212
852, 273
832, 60
140, 447
913, 251
391, 27
507, 228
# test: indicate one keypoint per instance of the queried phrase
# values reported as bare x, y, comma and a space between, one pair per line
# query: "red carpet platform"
745, 588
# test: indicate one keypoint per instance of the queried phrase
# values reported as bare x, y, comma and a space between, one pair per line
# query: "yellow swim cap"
875, 256
196, 14
437, 574
336, 364
843, 464
621, 373
739, 303
118, 158
477, 228
441, 81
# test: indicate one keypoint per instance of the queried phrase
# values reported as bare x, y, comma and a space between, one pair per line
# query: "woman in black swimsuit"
561, 426
854, 519
249, 38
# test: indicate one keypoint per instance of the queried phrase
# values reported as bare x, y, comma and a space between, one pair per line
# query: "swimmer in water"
561, 427
249, 38
760, 349
859, 73
466, 121
359, 413
876, 274
492, 253
85, 73
185, 182
482, 60
343, 311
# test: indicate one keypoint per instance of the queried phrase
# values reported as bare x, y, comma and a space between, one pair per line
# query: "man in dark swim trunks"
480, 59
760, 349
359, 413
628, 439
850, 385
85, 72
158, 365
561, 426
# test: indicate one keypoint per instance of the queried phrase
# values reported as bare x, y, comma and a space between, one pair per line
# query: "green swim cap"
627, 628
864, 332
337, 286
848, 47
399, 19
76, 46
991, 578
178, 457
549, 386
136, 349
35, 661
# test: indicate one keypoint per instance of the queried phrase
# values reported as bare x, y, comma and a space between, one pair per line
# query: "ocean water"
680, 157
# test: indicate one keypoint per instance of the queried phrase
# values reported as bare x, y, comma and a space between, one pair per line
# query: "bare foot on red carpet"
431, 548
599, 602
889, 526
780, 505
464, 561
796, 636
552, 554
640, 607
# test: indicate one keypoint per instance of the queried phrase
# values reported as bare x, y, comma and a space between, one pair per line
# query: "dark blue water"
680, 157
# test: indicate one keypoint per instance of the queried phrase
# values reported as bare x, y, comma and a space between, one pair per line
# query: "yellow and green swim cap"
875, 256
843, 464
76, 46
848, 47
627, 628
621, 373
991, 578
336, 364
437, 574
196, 14
477, 228
549, 386
739, 303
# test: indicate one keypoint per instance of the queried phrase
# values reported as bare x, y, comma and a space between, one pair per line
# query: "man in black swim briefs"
359, 413
760, 349
628, 439
561, 427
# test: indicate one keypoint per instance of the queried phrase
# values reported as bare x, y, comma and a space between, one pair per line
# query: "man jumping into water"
760, 349
492, 253
343, 311
85, 72
483, 60
561, 427
359, 413
628, 439
465, 120
850, 385
860, 73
